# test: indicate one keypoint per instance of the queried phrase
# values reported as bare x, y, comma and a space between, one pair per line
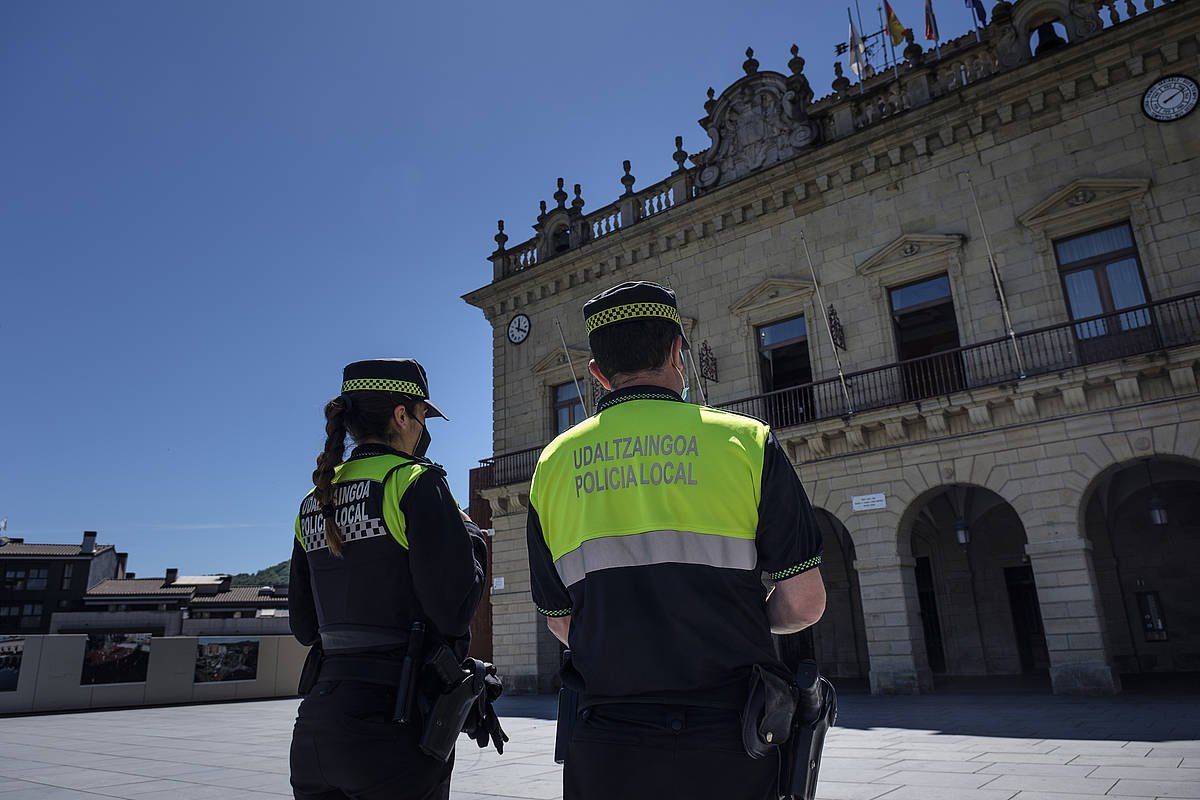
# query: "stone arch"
974, 584
1141, 518
840, 637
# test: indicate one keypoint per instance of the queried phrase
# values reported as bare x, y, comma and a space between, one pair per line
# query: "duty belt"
360, 668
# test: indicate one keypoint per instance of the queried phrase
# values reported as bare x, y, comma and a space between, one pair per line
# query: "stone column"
518, 636
891, 614
1072, 614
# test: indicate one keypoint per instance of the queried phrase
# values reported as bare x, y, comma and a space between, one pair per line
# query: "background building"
1006, 472
177, 605
36, 580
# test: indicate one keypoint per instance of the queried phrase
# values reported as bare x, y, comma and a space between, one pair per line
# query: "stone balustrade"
923, 77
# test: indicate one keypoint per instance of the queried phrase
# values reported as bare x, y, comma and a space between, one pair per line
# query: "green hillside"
271, 576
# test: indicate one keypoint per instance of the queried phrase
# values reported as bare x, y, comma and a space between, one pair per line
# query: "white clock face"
518, 328
1170, 98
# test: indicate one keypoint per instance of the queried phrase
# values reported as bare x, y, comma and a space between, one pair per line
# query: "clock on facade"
518, 329
1170, 98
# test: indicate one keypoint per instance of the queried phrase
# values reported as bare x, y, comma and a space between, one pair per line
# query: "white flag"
858, 53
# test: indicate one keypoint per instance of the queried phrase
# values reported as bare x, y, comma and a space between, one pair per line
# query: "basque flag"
977, 7
931, 29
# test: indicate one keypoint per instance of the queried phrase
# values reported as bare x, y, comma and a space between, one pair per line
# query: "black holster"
451, 706
311, 668
816, 713
568, 712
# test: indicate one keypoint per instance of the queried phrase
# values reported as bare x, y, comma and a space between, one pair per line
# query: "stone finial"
750, 65
796, 63
560, 196
841, 84
627, 179
913, 52
577, 203
680, 155
1002, 12
542, 206
501, 237
711, 102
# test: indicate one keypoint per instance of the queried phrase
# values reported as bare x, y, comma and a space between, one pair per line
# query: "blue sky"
207, 208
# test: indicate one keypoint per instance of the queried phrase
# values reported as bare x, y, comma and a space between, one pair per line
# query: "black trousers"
345, 745
650, 752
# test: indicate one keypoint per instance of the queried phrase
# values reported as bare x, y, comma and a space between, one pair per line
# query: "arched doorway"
840, 637
1143, 520
975, 589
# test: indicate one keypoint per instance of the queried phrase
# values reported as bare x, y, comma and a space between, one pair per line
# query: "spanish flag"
895, 28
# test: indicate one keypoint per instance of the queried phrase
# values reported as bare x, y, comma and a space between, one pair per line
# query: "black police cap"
632, 300
402, 375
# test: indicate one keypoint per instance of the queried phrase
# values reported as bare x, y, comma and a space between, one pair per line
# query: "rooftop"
138, 587
1009, 747
18, 547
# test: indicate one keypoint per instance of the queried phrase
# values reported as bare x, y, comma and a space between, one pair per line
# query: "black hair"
634, 345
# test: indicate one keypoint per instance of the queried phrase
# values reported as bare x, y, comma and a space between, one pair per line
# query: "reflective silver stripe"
656, 547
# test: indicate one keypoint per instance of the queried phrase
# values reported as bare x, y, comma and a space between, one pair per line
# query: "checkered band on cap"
631, 311
382, 385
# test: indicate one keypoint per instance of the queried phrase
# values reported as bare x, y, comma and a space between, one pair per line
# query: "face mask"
684, 378
423, 443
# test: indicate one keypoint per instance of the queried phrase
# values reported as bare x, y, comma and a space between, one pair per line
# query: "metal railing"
509, 468
1105, 337
1130, 332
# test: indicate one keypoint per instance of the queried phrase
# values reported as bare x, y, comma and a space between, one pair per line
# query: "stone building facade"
1006, 477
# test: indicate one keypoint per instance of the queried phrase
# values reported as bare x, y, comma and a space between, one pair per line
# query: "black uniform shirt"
439, 578
680, 633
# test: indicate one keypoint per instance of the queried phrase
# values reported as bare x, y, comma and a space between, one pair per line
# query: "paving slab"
939, 747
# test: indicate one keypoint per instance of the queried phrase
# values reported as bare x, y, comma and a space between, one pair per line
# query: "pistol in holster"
568, 711
462, 703
816, 713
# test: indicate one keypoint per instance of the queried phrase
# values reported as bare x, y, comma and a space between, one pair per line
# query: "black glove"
482, 724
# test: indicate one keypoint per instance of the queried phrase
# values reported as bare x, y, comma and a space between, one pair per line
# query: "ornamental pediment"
1084, 196
910, 250
757, 122
772, 292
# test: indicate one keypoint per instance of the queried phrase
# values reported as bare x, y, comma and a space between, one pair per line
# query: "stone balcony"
1115, 359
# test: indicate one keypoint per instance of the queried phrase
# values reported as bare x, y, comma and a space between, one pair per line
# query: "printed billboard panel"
12, 648
115, 658
226, 658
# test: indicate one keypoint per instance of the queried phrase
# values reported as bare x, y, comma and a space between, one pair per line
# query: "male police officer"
651, 525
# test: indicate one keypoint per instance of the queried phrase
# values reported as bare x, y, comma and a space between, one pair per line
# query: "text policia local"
675, 466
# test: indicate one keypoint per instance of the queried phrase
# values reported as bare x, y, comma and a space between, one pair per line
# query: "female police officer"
380, 544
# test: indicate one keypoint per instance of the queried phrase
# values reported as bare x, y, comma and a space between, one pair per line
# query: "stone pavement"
999, 747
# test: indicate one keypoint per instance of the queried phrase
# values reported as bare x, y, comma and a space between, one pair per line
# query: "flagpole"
974, 20
575, 380
861, 29
1012, 334
825, 315
887, 34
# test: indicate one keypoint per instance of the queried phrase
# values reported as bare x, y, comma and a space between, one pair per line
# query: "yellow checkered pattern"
382, 385
631, 311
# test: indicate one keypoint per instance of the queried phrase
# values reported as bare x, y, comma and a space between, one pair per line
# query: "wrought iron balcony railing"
1130, 332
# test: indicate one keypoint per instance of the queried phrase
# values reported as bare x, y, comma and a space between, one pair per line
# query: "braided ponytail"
334, 453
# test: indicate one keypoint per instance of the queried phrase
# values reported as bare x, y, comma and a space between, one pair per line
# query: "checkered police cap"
631, 300
402, 375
